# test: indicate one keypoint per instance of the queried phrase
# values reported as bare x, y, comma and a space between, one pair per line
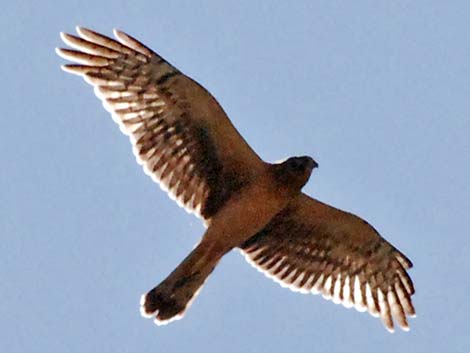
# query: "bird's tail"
169, 300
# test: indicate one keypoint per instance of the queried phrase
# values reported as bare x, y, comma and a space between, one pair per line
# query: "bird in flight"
186, 143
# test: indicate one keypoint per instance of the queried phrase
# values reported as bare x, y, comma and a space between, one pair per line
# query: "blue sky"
378, 92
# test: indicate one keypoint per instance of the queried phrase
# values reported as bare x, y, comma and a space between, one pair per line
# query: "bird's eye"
296, 164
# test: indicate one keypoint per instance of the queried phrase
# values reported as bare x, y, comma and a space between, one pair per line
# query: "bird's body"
186, 143
246, 213
249, 210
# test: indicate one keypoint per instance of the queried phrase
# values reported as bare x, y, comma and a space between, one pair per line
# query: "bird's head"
295, 171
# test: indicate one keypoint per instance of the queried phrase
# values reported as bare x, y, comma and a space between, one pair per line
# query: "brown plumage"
185, 142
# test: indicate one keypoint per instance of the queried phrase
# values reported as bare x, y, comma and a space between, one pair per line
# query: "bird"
186, 143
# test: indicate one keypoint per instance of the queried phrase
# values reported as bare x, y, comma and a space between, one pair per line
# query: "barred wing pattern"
179, 132
312, 247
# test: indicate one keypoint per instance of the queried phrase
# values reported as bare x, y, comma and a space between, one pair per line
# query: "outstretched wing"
312, 247
179, 132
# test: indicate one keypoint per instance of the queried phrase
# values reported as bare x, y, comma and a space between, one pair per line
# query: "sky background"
378, 92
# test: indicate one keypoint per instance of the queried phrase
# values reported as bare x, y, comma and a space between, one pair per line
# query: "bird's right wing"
179, 132
312, 247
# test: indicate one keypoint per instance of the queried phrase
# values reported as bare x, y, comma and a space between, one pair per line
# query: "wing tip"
82, 31
59, 51
117, 32
405, 328
66, 69
63, 35
389, 318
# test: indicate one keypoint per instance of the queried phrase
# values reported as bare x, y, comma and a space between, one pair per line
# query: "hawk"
186, 143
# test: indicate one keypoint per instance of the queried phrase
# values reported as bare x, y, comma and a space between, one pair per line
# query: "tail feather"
169, 300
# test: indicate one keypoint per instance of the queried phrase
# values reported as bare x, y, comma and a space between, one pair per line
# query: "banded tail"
169, 300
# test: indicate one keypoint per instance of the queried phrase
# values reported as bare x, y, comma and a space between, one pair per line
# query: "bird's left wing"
312, 247
179, 132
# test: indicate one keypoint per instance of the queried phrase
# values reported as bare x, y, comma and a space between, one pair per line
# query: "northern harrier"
186, 143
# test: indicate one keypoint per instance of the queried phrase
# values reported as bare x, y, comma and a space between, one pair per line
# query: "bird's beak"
312, 164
